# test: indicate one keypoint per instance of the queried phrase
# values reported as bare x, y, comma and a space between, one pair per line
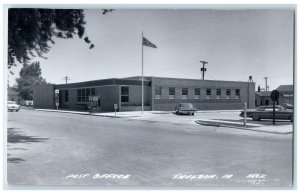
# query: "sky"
235, 43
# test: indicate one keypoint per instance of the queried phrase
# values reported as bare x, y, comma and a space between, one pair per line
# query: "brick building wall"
110, 91
109, 95
164, 103
43, 96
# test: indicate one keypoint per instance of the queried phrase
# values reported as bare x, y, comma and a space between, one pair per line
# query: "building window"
237, 93
171, 93
228, 93
93, 92
184, 93
79, 95
91, 96
208, 93
83, 94
267, 102
218, 96
124, 94
197, 93
66, 95
157, 92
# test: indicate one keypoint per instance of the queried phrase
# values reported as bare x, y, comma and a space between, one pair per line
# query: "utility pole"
203, 69
266, 79
248, 92
66, 78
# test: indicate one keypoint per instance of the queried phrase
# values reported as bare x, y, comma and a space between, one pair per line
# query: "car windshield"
186, 105
11, 102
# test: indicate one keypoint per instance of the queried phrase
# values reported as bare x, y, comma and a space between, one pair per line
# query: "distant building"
263, 98
159, 94
286, 94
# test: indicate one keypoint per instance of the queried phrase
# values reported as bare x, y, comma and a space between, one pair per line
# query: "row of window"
83, 94
185, 91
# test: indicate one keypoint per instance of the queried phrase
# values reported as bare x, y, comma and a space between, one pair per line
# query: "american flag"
148, 43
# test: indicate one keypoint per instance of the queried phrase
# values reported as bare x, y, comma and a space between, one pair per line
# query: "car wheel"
176, 112
255, 118
291, 119
193, 114
17, 110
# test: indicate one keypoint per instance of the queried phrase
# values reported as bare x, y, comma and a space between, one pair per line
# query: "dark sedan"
266, 112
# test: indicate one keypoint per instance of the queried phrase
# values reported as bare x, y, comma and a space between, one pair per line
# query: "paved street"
50, 148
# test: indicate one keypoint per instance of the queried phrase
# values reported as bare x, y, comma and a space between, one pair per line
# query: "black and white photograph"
150, 97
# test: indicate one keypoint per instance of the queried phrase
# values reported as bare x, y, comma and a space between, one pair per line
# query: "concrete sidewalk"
109, 114
282, 129
208, 118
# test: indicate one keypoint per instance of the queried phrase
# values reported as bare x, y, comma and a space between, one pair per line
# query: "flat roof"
189, 79
263, 93
135, 80
285, 88
103, 82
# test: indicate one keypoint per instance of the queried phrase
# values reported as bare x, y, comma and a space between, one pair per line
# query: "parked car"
185, 108
266, 112
288, 106
11, 106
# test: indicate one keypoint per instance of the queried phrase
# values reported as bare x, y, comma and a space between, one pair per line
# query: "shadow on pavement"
182, 114
15, 160
16, 149
14, 136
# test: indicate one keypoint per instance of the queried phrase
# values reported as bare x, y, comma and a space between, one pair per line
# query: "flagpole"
142, 74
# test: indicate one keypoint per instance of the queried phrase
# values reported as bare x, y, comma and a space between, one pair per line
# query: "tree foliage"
31, 31
30, 75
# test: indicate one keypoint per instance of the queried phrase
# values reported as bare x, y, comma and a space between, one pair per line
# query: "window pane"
172, 91
237, 93
88, 92
157, 90
124, 90
208, 91
124, 99
93, 92
66, 95
79, 95
197, 91
228, 92
184, 91
218, 92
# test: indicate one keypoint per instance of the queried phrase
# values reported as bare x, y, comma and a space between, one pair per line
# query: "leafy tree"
30, 75
31, 31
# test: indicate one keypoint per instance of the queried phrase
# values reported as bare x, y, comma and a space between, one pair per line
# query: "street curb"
243, 128
79, 113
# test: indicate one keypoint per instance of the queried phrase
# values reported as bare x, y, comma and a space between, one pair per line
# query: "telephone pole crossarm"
203, 69
66, 78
